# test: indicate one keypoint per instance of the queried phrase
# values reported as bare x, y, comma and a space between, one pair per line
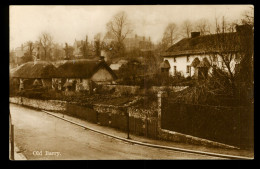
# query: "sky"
67, 23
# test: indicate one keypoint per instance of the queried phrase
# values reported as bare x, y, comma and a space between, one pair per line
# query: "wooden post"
161, 95
97, 117
146, 126
127, 123
12, 142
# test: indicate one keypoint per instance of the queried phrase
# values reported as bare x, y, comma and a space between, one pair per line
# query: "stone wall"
141, 121
124, 89
51, 105
183, 138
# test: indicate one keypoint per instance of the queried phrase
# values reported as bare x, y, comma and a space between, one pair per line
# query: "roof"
109, 35
115, 66
201, 44
78, 43
204, 63
82, 68
165, 64
195, 62
38, 69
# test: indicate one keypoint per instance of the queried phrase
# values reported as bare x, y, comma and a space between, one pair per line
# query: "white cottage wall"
181, 64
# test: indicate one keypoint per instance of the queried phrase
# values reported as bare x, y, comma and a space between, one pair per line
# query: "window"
188, 69
188, 58
175, 70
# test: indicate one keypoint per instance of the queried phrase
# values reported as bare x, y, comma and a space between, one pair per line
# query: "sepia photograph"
131, 82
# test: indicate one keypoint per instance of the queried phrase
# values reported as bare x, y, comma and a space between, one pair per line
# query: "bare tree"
97, 45
29, 52
120, 27
226, 48
68, 51
46, 42
248, 16
85, 48
187, 28
170, 35
203, 26
30, 48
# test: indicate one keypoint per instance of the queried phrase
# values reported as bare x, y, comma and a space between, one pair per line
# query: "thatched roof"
195, 62
204, 63
38, 69
165, 64
202, 44
82, 68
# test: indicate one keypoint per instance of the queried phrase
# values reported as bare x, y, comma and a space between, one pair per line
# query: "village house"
134, 42
137, 42
77, 48
82, 74
78, 45
198, 55
34, 74
108, 38
17, 54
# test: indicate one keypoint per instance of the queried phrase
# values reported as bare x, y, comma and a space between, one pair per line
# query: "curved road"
43, 137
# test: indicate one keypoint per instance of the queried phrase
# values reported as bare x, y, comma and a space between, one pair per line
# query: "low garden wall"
124, 89
140, 123
49, 105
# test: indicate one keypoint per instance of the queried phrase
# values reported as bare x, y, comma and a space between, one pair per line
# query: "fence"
82, 112
117, 117
228, 125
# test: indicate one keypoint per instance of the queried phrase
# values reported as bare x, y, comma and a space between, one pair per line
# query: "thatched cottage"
198, 55
37, 73
80, 74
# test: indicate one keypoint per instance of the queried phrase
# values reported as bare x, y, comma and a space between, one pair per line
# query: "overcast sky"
67, 23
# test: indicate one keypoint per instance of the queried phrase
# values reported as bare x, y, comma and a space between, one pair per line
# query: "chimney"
102, 58
195, 34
